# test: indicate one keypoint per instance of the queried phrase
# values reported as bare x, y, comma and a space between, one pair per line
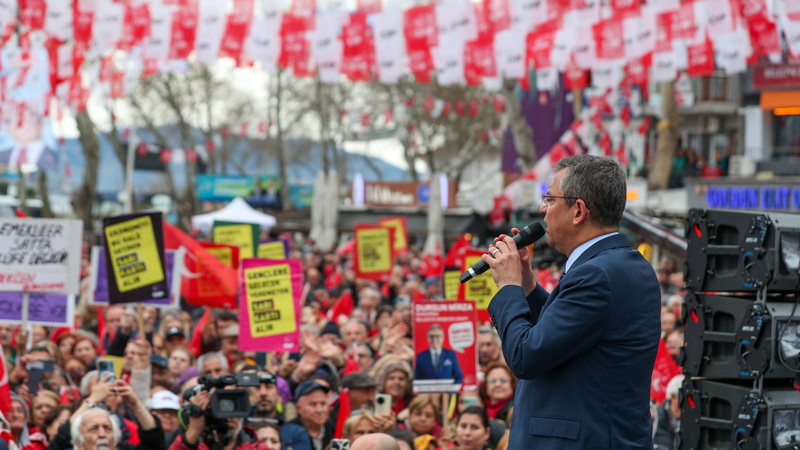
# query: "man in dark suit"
437, 363
584, 353
22, 142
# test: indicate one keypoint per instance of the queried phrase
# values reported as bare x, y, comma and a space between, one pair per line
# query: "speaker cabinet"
731, 251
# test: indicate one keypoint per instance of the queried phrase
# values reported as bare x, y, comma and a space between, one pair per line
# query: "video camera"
225, 403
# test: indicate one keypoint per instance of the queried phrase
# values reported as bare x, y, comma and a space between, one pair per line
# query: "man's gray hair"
211, 355
434, 327
490, 330
600, 183
75, 428
89, 378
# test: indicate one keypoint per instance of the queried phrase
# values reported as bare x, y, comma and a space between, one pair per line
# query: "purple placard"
51, 309
101, 289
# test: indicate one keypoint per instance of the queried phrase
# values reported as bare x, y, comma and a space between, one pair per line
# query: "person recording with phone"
97, 422
584, 353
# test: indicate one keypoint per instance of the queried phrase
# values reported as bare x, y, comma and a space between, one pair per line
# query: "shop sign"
776, 76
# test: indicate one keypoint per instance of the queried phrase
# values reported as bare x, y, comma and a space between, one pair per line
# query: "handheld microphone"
526, 236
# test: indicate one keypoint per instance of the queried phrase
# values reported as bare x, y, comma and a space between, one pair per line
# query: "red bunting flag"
474, 106
184, 31
605, 143
637, 71
460, 107
499, 14
763, 35
499, 104
243, 130
539, 46
625, 115
191, 155
32, 14
644, 127
428, 106
420, 28
166, 156
700, 59
210, 147
421, 64
622, 155
365, 120
81, 25
574, 76
609, 39
369, 6
117, 85
625, 8
135, 26
446, 108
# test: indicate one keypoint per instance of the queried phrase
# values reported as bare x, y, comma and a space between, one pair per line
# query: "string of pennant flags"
58, 48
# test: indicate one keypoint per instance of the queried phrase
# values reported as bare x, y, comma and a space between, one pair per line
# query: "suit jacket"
584, 354
448, 367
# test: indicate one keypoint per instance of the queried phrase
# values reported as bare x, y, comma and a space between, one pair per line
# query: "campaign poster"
204, 289
273, 249
269, 305
400, 227
99, 281
451, 282
374, 255
446, 357
480, 289
40, 255
134, 254
54, 310
242, 235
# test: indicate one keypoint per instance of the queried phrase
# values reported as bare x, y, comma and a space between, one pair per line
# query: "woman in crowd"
498, 390
84, 350
422, 416
394, 378
57, 416
269, 434
18, 420
472, 429
65, 343
41, 405
179, 360
359, 425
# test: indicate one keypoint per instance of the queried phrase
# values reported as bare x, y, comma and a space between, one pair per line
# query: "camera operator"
265, 400
92, 423
244, 437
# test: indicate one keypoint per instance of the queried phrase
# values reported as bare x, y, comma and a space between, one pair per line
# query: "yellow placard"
272, 250
374, 249
117, 364
647, 251
225, 255
238, 235
480, 289
270, 300
400, 238
451, 284
134, 254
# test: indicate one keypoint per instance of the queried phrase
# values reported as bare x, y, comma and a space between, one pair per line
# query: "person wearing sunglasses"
583, 353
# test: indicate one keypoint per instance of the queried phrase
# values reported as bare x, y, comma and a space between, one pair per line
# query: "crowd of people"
356, 343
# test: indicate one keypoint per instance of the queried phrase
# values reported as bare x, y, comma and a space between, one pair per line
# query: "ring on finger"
495, 251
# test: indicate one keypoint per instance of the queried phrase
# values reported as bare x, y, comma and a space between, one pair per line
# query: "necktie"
22, 158
436, 362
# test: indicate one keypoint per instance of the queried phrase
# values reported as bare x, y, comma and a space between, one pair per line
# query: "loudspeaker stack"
741, 350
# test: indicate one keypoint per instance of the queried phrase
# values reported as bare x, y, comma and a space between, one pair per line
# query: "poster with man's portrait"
445, 358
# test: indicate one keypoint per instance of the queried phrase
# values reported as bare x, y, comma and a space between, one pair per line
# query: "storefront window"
787, 135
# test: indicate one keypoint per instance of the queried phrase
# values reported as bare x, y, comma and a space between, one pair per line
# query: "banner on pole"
98, 291
400, 227
134, 257
40, 255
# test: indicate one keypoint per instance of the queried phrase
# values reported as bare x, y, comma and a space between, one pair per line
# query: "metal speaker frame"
733, 251
716, 416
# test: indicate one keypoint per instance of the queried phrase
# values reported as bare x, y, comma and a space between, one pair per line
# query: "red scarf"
493, 408
399, 406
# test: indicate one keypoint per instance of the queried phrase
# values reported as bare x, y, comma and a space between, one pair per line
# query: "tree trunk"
283, 160
83, 201
520, 130
668, 134
47, 211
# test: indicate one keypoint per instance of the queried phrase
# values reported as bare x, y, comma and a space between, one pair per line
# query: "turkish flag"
605, 143
5, 389
135, 26
700, 60
609, 39
455, 255
664, 370
637, 71
221, 280
574, 76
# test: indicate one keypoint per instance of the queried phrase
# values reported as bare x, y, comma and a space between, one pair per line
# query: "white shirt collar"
582, 248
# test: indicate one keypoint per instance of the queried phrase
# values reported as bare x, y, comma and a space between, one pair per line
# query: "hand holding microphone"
526, 236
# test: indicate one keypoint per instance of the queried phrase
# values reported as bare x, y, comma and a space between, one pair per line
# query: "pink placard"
269, 305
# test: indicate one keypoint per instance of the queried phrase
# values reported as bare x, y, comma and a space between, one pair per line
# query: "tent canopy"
236, 211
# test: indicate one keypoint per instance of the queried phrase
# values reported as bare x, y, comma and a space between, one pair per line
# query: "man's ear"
581, 212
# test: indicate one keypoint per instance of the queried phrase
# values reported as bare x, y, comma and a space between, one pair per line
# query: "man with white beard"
94, 428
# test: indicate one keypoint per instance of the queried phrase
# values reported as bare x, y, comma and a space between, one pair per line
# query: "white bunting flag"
58, 21
107, 25
157, 45
387, 28
210, 28
509, 46
263, 43
663, 68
